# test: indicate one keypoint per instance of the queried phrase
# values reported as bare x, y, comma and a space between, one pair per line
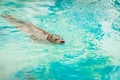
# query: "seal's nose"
62, 41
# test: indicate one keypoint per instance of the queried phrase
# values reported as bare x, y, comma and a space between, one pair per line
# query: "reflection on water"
90, 28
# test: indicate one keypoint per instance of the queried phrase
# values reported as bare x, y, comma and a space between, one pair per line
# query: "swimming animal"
33, 31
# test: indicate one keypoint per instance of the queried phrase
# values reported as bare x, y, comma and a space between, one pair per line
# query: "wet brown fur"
31, 29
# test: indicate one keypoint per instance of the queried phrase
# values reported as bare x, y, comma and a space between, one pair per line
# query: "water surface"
90, 28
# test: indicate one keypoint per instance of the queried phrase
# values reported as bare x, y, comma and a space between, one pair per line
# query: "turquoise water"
90, 28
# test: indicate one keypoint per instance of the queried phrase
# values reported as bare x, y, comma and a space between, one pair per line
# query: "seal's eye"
56, 39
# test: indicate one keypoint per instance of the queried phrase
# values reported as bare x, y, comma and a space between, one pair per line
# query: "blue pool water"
90, 28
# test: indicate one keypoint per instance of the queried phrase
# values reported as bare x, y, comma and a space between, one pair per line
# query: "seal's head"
56, 39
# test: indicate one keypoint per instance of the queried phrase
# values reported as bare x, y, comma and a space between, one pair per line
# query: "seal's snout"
62, 42
56, 39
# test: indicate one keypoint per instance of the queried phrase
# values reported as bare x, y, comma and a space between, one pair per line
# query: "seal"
33, 31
